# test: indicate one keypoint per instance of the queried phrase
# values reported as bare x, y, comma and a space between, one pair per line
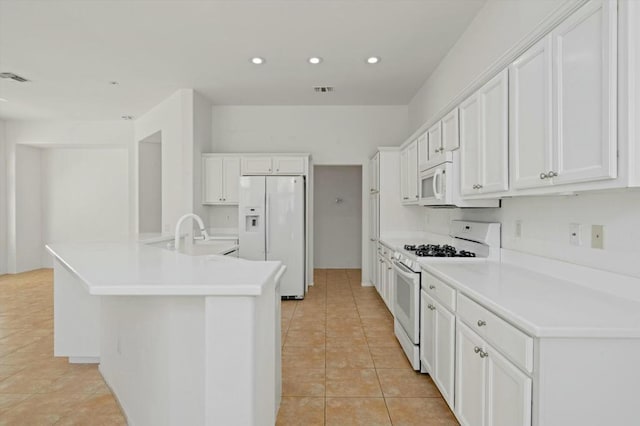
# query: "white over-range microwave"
439, 185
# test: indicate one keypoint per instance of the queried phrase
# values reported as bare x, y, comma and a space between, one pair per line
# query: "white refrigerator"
272, 226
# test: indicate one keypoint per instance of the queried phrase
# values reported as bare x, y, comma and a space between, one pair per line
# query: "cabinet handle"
432, 287
483, 354
476, 349
481, 323
277, 170
552, 174
479, 186
405, 198
389, 269
430, 306
543, 175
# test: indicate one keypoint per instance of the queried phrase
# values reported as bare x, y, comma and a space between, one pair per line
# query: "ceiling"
71, 50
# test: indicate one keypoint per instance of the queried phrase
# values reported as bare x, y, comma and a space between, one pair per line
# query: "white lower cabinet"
437, 353
490, 390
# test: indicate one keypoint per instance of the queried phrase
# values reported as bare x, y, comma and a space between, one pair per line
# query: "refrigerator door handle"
267, 225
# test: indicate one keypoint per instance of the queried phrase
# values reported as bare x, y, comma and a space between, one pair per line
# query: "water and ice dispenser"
252, 219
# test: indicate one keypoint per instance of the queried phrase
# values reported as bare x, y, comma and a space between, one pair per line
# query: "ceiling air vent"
323, 89
13, 76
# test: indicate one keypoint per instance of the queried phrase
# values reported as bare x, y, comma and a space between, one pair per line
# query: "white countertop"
134, 269
540, 304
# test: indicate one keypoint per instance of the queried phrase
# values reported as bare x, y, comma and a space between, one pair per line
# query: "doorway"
150, 184
337, 213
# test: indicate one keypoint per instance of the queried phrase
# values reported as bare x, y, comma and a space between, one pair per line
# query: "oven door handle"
402, 270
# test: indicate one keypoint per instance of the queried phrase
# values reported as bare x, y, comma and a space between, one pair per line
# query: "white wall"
85, 195
3, 201
28, 220
337, 225
173, 117
545, 220
150, 186
498, 26
22, 142
201, 143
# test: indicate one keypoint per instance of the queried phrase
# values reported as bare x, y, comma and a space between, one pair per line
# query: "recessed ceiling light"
257, 60
127, 117
373, 59
315, 60
113, 83
3, 100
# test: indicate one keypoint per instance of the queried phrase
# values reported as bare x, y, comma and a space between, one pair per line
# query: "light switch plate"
597, 236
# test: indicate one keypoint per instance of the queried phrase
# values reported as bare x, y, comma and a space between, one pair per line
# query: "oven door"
407, 300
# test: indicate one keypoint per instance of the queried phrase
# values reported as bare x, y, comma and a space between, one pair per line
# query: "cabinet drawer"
439, 290
512, 342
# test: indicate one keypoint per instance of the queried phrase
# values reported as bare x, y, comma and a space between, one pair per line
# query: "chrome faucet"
203, 232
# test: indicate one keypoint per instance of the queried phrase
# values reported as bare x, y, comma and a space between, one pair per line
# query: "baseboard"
84, 360
367, 284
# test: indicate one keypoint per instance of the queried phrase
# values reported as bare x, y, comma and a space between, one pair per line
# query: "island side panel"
586, 381
153, 357
241, 359
76, 318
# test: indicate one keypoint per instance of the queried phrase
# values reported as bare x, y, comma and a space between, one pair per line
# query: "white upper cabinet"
220, 179
412, 172
450, 134
374, 174
530, 117
423, 151
584, 95
484, 138
257, 165
289, 165
494, 101
470, 148
434, 135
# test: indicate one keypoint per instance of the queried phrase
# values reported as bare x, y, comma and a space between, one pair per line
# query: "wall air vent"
13, 76
323, 89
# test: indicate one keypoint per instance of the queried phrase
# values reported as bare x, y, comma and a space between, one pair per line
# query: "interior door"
494, 98
530, 116
585, 89
251, 218
284, 238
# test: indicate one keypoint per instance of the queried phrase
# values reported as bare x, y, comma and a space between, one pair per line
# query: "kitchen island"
180, 339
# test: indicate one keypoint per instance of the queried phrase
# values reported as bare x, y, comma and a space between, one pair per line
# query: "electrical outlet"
518, 229
597, 236
575, 231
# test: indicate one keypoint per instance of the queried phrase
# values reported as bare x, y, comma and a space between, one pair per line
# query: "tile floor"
342, 365
36, 388
341, 362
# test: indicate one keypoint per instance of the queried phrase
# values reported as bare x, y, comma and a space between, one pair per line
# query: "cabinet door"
412, 171
470, 145
470, 377
444, 354
212, 185
584, 98
256, 166
508, 392
404, 173
373, 262
289, 165
391, 286
423, 151
495, 134
382, 276
231, 167
530, 116
427, 330
435, 142
374, 217
450, 134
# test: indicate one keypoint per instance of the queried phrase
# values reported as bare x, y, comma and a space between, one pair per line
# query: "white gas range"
467, 242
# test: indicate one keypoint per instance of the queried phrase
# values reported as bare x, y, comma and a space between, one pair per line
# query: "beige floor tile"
32, 419
84, 419
296, 411
332, 341
303, 382
343, 382
349, 357
357, 411
305, 338
302, 357
9, 401
420, 412
389, 357
406, 383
